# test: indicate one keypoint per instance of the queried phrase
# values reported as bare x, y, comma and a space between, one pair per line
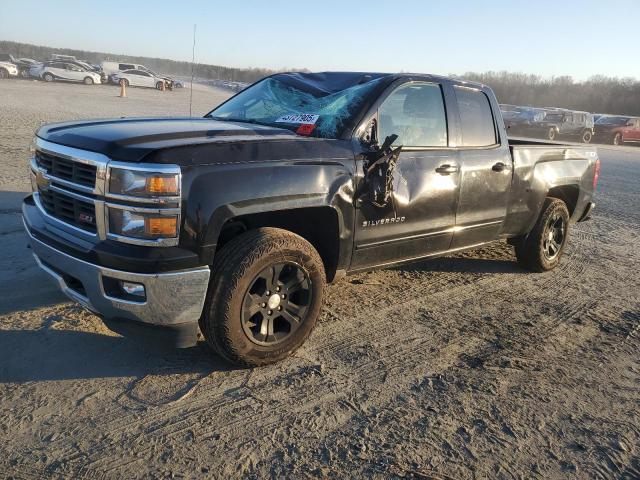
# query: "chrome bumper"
171, 298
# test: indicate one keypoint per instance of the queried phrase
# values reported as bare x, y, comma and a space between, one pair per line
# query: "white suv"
65, 71
8, 70
138, 78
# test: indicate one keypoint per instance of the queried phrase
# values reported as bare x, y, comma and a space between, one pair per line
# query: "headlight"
136, 183
142, 225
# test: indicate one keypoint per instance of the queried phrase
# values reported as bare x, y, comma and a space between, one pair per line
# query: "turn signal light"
161, 226
162, 185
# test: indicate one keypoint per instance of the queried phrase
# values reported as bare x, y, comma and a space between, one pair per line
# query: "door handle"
498, 167
446, 169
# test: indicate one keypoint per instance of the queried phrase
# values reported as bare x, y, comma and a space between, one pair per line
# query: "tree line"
598, 94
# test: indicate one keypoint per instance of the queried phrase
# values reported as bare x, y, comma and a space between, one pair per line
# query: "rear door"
420, 219
146, 79
634, 131
486, 169
74, 72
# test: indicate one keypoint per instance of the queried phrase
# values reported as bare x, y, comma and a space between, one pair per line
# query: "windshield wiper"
240, 120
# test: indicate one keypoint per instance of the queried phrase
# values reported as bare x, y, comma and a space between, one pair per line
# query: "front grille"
75, 172
68, 209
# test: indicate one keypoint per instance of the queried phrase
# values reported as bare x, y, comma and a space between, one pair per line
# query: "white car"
8, 70
64, 71
138, 78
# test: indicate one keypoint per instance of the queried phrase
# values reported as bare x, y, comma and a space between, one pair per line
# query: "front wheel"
264, 298
48, 77
542, 249
159, 86
3, 73
552, 134
586, 136
88, 81
617, 139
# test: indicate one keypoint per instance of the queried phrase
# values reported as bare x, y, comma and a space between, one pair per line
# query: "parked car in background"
617, 130
8, 69
567, 124
64, 58
64, 71
138, 78
22, 64
522, 121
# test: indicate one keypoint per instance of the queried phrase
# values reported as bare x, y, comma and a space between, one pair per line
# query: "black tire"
240, 300
542, 249
552, 134
47, 77
617, 139
3, 73
88, 81
587, 135
159, 86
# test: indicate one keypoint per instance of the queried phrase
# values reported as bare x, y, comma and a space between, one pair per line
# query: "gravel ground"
461, 367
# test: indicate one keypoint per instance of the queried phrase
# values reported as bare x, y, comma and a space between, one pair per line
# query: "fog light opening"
132, 288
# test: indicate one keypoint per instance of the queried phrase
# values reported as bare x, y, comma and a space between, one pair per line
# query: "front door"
420, 217
486, 170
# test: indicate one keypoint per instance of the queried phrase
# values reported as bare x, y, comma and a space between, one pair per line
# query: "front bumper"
172, 299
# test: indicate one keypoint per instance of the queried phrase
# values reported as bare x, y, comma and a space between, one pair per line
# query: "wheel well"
317, 225
568, 194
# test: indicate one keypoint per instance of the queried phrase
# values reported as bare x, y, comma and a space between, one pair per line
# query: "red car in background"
617, 130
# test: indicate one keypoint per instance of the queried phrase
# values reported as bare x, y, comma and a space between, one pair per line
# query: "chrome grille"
71, 210
71, 171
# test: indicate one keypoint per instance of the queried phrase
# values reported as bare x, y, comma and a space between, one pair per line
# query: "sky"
549, 38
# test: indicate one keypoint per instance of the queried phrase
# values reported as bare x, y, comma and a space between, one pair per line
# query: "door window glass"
415, 112
478, 127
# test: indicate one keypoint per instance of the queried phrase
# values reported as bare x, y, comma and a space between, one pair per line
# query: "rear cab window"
476, 118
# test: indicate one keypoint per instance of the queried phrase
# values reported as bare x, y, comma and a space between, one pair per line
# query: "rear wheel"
264, 298
617, 139
542, 249
552, 134
47, 77
88, 81
586, 136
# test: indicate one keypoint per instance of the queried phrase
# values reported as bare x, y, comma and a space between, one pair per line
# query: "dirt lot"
462, 367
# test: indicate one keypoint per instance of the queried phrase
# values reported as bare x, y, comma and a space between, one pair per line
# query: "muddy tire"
586, 136
617, 139
264, 297
47, 77
542, 249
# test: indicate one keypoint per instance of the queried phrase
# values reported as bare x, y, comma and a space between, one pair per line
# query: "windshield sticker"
298, 118
305, 129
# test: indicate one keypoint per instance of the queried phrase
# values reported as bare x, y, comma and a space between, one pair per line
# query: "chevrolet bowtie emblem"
42, 181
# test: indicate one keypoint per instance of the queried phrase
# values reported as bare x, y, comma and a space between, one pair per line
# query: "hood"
133, 138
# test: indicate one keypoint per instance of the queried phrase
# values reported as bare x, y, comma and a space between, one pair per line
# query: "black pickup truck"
233, 224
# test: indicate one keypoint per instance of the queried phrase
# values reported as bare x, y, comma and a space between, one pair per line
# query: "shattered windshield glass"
276, 103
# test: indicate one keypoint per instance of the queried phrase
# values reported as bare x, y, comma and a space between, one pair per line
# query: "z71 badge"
382, 221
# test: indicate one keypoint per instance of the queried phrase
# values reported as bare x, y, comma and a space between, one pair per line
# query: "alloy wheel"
553, 237
276, 303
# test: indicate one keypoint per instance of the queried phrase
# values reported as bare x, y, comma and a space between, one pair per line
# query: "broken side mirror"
381, 164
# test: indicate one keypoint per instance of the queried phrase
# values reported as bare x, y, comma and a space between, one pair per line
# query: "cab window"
478, 127
415, 112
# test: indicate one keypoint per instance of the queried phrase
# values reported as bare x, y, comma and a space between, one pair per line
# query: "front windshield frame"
344, 131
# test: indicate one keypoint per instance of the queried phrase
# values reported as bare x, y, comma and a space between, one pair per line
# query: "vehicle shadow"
464, 265
50, 354
23, 284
